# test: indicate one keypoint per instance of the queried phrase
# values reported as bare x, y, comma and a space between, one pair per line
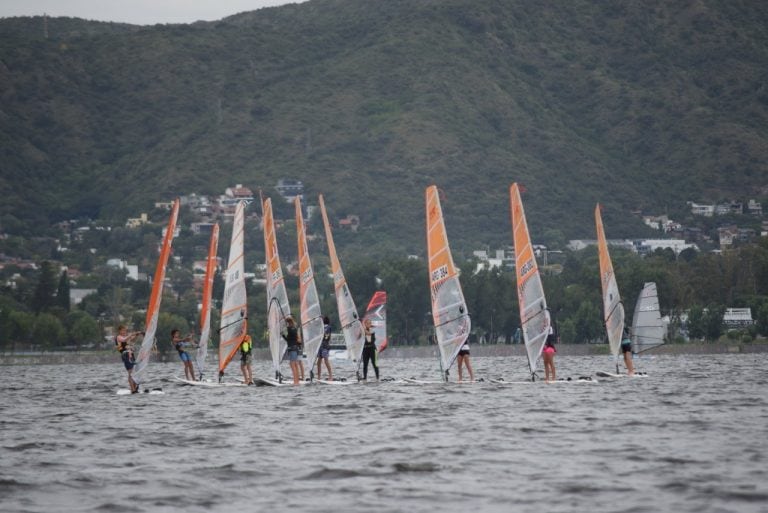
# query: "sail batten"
449, 309
351, 326
153, 309
234, 315
535, 319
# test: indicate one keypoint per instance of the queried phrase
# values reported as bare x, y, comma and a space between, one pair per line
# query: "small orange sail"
534, 315
205, 311
153, 309
234, 308
277, 296
350, 321
449, 309
613, 309
311, 318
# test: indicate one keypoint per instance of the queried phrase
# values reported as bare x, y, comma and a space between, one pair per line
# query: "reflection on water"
690, 437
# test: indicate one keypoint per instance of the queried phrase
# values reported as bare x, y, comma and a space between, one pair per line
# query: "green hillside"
638, 105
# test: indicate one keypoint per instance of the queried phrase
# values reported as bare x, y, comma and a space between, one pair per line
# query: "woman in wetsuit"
369, 350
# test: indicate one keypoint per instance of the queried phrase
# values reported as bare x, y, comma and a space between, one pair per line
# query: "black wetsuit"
369, 355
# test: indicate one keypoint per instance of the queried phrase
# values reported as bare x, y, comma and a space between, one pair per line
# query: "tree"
48, 331
62, 292
21, 327
82, 328
713, 322
43, 297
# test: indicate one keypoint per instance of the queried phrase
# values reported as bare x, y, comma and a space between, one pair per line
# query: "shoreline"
403, 352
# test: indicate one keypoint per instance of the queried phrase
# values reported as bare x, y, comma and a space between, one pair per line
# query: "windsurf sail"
534, 315
377, 313
449, 310
277, 296
205, 310
647, 327
311, 318
613, 309
153, 309
234, 308
351, 326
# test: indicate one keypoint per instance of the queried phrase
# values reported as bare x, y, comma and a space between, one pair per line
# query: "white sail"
350, 321
234, 308
449, 310
205, 310
277, 296
153, 309
647, 326
311, 318
534, 315
613, 309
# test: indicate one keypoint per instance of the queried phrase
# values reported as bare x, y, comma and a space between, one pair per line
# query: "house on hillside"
351, 222
702, 210
290, 189
755, 208
135, 222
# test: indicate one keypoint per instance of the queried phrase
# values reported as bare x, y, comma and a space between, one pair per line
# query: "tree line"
694, 290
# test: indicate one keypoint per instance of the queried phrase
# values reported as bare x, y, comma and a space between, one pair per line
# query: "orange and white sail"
350, 321
613, 309
234, 308
534, 315
449, 309
205, 310
376, 312
277, 295
311, 318
153, 309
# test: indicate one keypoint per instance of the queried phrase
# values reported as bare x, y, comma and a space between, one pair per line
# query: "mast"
534, 315
153, 309
449, 309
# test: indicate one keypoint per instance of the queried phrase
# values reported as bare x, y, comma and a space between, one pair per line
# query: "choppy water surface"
691, 437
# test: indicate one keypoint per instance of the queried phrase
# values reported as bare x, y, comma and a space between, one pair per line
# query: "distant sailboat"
534, 315
350, 321
311, 318
377, 313
277, 296
647, 326
153, 309
205, 310
613, 309
449, 310
234, 308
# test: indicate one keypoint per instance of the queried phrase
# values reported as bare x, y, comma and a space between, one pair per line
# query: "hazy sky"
139, 12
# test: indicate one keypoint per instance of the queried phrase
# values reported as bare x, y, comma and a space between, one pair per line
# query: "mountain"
636, 104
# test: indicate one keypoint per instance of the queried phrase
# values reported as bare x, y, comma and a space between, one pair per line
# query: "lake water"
693, 436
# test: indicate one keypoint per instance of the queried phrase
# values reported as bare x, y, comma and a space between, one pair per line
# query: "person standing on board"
291, 337
549, 356
369, 350
124, 344
180, 344
246, 358
626, 349
463, 358
324, 351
